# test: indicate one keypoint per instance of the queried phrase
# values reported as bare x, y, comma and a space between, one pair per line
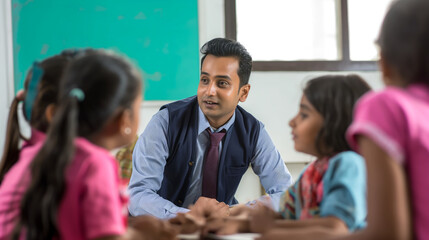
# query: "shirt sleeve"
149, 159
101, 201
269, 166
345, 190
379, 117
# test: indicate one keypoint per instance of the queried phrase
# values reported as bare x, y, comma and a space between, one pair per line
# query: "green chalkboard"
160, 36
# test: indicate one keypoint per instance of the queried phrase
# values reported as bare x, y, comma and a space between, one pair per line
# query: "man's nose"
211, 89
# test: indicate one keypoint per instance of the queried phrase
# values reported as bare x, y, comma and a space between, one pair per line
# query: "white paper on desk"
189, 236
238, 236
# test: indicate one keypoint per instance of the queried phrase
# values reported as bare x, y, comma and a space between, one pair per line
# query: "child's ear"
388, 73
384, 67
49, 112
124, 122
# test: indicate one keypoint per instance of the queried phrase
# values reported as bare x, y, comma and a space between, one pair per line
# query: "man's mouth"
211, 103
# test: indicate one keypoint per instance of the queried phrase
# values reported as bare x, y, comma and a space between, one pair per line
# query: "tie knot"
215, 137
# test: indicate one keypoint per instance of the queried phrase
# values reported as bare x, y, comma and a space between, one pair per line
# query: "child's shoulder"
346, 155
396, 103
347, 164
92, 155
347, 159
390, 96
392, 102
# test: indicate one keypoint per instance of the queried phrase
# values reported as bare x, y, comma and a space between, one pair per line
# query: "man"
173, 161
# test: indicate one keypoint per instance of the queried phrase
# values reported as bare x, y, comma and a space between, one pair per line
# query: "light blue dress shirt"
151, 152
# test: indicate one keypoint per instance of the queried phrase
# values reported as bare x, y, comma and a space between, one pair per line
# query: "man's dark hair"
222, 47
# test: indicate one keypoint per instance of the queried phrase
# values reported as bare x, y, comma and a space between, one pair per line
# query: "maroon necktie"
211, 165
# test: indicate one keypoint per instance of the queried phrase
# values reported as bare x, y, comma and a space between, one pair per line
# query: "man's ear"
244, 92
49, 112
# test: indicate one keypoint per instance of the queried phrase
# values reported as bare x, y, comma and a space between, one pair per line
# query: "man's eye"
223, 83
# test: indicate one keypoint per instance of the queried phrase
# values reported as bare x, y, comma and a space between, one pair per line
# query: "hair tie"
77, 93
36, 75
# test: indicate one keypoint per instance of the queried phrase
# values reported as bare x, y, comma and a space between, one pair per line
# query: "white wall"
6, 67
273, 98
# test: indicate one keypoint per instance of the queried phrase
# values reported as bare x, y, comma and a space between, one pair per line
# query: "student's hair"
46, 93
334, 97
221, 47
94, 89
404, 38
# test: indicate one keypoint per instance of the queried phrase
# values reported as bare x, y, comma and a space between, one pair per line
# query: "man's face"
219, 89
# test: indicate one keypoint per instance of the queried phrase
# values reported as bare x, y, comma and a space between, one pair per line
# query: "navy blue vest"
237, 151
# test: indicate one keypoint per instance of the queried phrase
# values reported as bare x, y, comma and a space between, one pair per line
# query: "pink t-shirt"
15, 184
397, 120
92, 204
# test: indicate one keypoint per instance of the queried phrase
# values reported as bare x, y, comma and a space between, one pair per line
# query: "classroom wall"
273, 98
6, 68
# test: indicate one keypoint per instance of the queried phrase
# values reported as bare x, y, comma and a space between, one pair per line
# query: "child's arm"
145, 228
313, 227
305, 232
131, 234
389, 214
329, 223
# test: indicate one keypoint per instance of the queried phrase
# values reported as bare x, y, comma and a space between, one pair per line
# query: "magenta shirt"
92, 205
397, 120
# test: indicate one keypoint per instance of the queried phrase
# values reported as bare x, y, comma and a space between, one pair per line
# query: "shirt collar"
36, 136
203, 123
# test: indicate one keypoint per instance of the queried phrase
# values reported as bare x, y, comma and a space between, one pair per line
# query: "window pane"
365, 18
288, 29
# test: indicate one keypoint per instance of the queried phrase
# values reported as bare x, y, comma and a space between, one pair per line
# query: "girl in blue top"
329, 197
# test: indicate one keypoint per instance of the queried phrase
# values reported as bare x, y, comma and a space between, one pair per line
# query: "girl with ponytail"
38, 97
72, 183
40, 91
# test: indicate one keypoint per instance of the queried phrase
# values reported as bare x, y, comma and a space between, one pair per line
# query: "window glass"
365, 18
289, 30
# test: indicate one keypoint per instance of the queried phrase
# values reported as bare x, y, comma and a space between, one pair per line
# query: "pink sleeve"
380, 117
102, 204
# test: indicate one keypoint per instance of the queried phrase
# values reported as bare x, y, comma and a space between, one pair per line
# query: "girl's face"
305, 127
